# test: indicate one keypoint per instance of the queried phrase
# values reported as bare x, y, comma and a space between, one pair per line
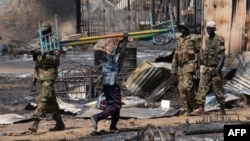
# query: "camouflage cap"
45, 26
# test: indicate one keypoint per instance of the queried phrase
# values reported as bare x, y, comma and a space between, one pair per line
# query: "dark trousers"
114, 104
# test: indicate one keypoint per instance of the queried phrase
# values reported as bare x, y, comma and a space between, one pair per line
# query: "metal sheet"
133, 112
13, 118
239, 83
148, 79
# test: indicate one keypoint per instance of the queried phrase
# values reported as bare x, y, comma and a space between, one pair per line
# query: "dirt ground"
14, 90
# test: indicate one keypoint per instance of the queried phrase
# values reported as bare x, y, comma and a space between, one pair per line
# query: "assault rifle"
196, 77
34, 81
33, 85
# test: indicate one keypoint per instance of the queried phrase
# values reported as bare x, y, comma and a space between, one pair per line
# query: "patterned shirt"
110, 68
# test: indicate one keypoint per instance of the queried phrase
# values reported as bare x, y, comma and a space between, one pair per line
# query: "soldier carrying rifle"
184, 65
213, 61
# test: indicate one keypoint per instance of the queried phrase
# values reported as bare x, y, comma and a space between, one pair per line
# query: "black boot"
59, 125
34, 126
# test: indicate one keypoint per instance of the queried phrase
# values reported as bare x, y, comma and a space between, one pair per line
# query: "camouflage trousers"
207, 84
186, 91
47, 101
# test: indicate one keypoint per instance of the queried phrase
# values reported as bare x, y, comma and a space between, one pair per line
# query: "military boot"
34, 126
59, 125
199, 111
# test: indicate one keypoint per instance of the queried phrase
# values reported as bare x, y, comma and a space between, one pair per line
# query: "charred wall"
19, 18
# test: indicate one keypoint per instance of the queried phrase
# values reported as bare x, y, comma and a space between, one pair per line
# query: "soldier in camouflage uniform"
184, 66
211, 78
46, 72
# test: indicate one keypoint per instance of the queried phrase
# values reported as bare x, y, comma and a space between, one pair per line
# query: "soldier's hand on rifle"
213, 73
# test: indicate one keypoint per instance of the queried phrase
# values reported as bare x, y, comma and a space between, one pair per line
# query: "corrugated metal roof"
240, 78
150, 80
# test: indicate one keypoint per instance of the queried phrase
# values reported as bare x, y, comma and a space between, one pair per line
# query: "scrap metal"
213, 123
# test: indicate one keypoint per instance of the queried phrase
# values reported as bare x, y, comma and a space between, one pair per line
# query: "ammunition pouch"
190, 52
186, 55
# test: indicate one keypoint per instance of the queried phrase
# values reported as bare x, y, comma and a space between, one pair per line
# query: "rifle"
34, 80
33, 85
196, 77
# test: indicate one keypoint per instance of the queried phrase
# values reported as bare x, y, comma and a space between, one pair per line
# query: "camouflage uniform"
211, 59
184, 65
46, 71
